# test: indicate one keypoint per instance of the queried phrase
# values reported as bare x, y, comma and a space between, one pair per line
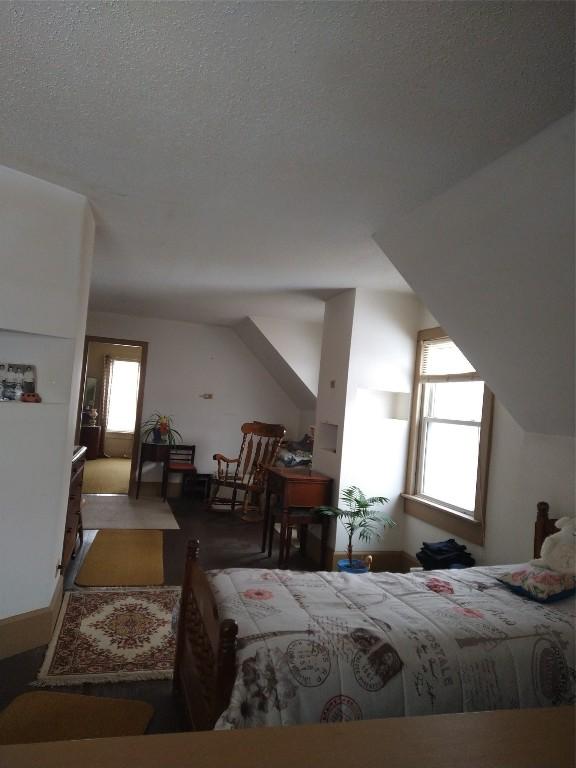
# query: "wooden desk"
155, 452
521, 738
300, 488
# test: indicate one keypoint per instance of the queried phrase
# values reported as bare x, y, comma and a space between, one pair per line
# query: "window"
124, 377
449, 439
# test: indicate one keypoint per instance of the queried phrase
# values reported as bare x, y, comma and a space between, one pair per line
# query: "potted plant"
161, 428
358, 517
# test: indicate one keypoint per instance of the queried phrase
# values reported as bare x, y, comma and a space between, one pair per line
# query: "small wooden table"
299, 489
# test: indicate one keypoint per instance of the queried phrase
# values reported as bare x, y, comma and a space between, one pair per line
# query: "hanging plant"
161, 428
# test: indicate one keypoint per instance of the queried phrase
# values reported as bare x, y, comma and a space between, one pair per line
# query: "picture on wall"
16, 379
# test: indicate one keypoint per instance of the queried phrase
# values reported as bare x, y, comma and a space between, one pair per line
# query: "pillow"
539, 584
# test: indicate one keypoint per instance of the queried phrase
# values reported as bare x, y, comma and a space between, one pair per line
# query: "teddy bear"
559, 550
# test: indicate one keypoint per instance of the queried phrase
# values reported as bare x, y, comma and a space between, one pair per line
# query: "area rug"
111, 511
106, 476
112, 635
47, 716
123, 559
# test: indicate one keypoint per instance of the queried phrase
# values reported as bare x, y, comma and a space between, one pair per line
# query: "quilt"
328, 647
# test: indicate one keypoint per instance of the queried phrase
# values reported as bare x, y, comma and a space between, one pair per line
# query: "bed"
265, 647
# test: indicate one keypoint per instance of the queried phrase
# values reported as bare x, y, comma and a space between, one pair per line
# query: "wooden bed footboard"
205, 664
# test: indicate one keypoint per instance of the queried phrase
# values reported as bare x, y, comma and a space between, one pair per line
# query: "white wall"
525, 468
333, 384
377, 404
493, 258
186, 360
45, 257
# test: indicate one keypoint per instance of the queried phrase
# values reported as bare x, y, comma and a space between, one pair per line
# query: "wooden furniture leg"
303, 535
324, 541
286, 530
267, 521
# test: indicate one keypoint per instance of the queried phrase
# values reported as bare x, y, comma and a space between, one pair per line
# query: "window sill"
444, 518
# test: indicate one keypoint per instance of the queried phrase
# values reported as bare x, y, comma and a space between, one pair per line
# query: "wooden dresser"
73, 529
90, 437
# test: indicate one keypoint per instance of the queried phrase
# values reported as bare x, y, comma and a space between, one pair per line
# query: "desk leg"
324, 541
303, 534
287, 536
266, 521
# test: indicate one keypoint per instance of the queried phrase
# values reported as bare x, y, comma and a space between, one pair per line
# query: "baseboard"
396, 561
32, 629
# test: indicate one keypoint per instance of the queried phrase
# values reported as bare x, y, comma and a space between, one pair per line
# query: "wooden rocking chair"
247, 472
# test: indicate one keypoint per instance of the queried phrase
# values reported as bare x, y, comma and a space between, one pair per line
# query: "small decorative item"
93, 417
360, 518
17, 379
30, 397
161, 428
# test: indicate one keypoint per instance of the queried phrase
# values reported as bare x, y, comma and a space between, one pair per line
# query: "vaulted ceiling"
240, 156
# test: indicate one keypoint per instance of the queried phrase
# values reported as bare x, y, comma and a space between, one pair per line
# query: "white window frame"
470, 526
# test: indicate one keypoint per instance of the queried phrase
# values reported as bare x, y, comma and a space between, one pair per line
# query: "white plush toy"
559, 550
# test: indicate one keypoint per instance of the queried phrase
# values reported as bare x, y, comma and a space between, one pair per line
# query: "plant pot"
158, 437
358, 566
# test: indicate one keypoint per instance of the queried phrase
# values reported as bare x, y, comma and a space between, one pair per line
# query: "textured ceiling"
239, 156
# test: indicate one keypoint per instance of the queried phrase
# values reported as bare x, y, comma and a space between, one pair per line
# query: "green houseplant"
161, 428
358, 517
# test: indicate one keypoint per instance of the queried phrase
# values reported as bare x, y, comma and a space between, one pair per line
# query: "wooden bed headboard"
543, 527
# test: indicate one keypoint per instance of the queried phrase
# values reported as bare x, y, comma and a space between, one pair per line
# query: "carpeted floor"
123, 558
111, 635
106, 476
123, 512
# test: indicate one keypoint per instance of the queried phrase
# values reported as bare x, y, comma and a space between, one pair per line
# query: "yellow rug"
123, 558
45, 716
106, 476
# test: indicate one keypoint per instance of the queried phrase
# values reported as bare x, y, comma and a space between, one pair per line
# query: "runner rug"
123, 559
112, 635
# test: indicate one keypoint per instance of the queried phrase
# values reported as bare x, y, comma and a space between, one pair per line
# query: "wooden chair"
205, 663
247, 472
179, 458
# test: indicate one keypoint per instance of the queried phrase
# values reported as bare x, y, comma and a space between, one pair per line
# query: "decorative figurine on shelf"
30, 397
93, 422
160, 428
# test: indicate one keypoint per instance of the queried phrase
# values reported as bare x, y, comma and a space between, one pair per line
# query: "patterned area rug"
109, 635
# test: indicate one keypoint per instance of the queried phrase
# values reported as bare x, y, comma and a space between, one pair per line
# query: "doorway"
110, 412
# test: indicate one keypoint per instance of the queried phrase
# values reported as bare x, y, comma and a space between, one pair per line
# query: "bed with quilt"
271, 647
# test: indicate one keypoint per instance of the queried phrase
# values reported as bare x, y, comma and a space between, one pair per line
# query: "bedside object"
90, 437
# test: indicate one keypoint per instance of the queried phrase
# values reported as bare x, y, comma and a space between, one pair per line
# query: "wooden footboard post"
226, 663
543, 527
192, 551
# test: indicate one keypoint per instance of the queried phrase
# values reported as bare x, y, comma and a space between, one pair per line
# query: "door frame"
139, 403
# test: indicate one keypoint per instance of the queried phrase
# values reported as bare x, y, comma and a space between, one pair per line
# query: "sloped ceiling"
277, 364
493, 259
240, 155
